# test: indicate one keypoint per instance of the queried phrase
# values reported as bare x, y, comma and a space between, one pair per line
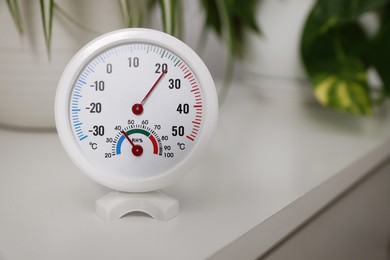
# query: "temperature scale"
135, 109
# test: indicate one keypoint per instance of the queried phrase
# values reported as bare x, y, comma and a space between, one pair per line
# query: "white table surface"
270, 167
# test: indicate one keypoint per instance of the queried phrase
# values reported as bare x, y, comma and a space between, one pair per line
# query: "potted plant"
339, 51
51, 31
332, 50
34, 54
48, 33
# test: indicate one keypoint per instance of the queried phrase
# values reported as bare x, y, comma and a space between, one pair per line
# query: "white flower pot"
28, 79
273, 63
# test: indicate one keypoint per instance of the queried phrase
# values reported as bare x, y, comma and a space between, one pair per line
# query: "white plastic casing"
67, 82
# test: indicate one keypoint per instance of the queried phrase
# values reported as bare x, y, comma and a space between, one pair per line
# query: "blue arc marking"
119, 144
82, 138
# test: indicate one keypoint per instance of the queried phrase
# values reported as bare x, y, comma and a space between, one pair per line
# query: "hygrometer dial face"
135, 108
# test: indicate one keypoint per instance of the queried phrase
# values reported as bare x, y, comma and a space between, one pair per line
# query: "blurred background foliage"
338, 53
336, 50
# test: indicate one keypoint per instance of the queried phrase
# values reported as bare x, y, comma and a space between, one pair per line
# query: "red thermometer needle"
139, 107
136, 149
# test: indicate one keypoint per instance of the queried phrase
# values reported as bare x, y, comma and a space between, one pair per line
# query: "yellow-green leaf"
343, 95
321, 90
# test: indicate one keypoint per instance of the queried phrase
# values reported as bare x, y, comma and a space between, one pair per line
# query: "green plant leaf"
342, 94
334, 48
47, 7
15, 13
171, 11
212, 15
124, 5
379, 53
133, 12
230, 19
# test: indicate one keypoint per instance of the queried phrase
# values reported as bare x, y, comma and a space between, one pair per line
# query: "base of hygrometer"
157, 204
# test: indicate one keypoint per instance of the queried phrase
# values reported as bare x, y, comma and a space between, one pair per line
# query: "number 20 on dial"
135, 108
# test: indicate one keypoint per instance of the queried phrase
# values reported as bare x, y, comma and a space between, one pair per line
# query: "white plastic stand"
157, 204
